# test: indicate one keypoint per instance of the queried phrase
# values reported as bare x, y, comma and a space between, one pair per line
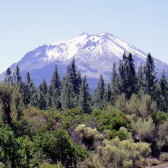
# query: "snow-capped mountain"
94, 55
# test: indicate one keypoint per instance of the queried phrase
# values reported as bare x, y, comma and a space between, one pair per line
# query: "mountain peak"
94, 55
85, 34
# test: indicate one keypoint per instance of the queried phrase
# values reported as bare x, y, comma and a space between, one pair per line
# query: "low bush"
164, 157
118, 154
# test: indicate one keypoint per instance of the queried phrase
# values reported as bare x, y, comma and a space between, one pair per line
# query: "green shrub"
112, 119
88, 136
16, 151
162, 137
144, 128
117, 154
164, 157
58, 146
120, 153
48, 165
128, 164
122, 133
162, 117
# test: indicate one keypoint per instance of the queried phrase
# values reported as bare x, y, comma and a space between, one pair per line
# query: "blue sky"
25, 25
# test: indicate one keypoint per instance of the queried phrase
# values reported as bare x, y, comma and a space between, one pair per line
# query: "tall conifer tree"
115, 87
85, 97
163, 99
8, 76
43, 95
99, 94
55, 89
150, 77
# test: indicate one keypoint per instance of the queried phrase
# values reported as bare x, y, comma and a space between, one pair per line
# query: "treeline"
73, 90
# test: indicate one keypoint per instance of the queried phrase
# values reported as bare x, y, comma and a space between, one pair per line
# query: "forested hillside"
123, 124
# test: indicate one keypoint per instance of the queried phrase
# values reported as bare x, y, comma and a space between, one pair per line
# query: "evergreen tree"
55, 89
79, 79
67, 95
43, 95
43, 88
8, 76
127, 76
34, 96
73, 77
131, 81
85, 97
123, 74
27, 89
150, 77
71, 86
17, 76
114, 85
108, 94
163, 99
99, 94
140, 80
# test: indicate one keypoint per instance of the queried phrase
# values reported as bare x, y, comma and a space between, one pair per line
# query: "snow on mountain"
94, 55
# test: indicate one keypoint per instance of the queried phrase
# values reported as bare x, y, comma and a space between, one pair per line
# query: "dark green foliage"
85, 97
108, 94
58, 146
150, 77
140, 80
43, 95
127, 76
122, 74
16, 152
17, 78
163, 99
8, 76
71, 87
68, 98
27, 90
99, 94
6, 100
114, 85
55, 89
112, 119
73, 77
132, 81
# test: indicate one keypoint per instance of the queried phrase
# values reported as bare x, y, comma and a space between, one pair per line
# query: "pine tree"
71, 86
17, 76
122, 74
131, 75
127, 76
140, 80
85, 97
114, 85
163, 99
43, 95
67, 94
109, 95
79, 79
8, 76
43, 87
73, 77
150, 77
34, 96
99, 94
27, 89
55, 89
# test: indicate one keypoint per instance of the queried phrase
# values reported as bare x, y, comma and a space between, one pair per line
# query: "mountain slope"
94, 55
